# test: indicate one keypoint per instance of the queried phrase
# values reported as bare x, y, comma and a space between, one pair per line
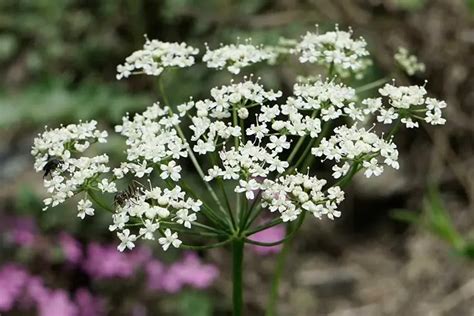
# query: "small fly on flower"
131, 192
52, 164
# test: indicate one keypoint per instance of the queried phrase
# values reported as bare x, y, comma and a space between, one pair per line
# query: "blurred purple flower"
12, 282
155, 271
36, 291
195, 273
104, 261
71, 248
268, 235
188, 272
57, 303
21, 231
88, 304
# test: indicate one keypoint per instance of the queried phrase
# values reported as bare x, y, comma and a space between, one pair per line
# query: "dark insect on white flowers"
52, 164
132, 191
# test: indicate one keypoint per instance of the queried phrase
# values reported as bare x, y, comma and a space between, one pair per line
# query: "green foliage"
411, 5
193, 303
44, 103
470, 5
436, 219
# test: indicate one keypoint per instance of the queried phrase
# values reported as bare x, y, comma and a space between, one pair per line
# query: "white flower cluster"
243, 134
153, 209
351, 144
249, 161
152, 139
409, 63
65, 174
155, 57
208, 124
408, 103
292, 194
335, 49
332, 99
234, 57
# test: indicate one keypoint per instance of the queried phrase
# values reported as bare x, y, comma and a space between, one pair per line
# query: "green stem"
237, 263
371, 85
99, 202
348, 177
308, 158
192, 156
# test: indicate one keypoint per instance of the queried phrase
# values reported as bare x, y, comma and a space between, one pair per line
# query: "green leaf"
405, 216
439, 220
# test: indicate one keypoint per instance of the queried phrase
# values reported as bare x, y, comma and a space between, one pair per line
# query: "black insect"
132, 191
52, 164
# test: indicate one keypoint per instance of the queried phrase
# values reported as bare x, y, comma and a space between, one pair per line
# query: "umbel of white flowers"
245, 135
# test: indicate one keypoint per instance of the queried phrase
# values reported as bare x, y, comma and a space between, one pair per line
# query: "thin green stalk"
216, 245
271, 223
278, 242
253, 216
99, 202
348, 177
237, 263
308, 158
238, 196
191, 153
245, 221
371, 85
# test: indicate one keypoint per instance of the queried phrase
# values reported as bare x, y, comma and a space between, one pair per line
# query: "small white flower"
127, 240
387, 116
171, 170
84, 208
106, 186
148, 231
340, 171
248, 187
185, 218
372, 168
243, 113
409, 122
169, 239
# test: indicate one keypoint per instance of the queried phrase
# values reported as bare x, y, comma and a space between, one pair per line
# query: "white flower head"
169, 239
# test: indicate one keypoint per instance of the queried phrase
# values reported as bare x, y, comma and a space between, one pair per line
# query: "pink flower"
195, 273
71, 248
88, 304
155, 271
268, 235
104, 261
12, 282
57, 303
22, 231
190, 271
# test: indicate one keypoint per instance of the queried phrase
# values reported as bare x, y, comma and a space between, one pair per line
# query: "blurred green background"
58, 59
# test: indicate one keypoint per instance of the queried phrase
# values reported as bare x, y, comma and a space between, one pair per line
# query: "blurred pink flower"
21, 231
36, 291
57, 303
71, 248
190, 271
268, 235
195, 273
88, 304
12, 282
104, 261
155, 271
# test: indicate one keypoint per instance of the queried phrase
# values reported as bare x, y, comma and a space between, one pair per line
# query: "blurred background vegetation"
58, 59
